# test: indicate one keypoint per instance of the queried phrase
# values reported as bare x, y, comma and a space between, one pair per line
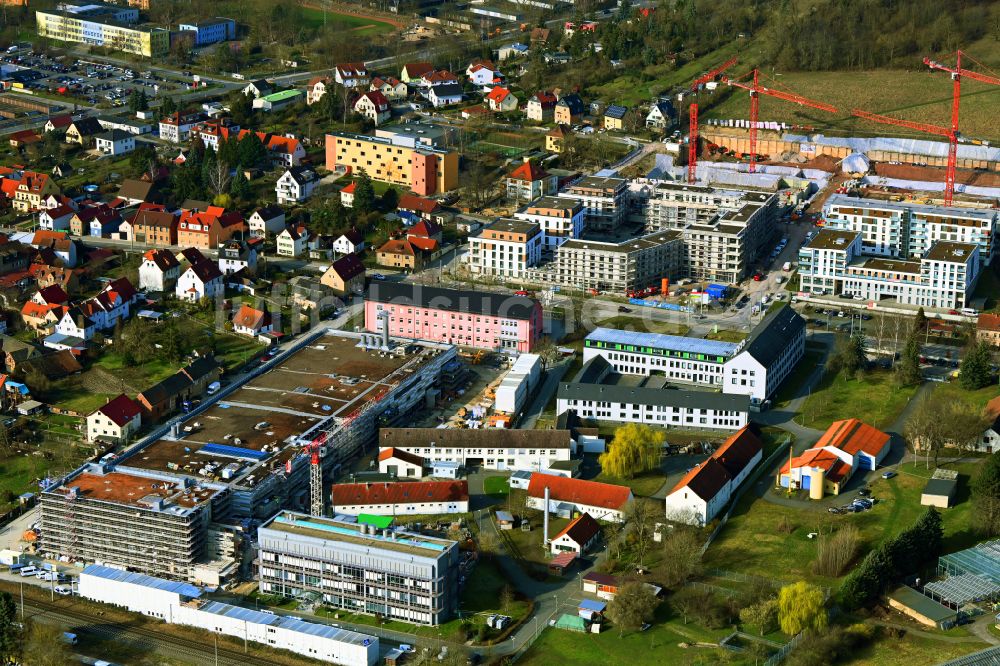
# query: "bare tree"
640, 516
681, 556
836, 551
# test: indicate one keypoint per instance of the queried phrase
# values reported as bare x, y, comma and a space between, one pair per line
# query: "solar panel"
233, 451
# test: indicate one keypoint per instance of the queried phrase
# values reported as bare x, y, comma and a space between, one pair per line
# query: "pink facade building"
498, 322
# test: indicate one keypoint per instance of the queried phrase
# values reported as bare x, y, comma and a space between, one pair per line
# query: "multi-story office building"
506, 249
604, 201
724, 231
483, 320
99, 24
559, 217
395, 574
423, 169
608, 266
754, 367
834, 262
908, 230
502, 449
153, 523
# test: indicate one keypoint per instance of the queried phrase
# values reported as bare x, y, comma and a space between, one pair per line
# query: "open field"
876, 399
768, 539
789, 388
362, 26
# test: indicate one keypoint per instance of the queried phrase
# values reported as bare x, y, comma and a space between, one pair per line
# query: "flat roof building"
100, 24
424, 169
396, 574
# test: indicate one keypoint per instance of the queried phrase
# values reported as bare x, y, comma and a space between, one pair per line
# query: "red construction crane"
755, 90
950, 134
693, 116
711, 74
316, 502
957, 74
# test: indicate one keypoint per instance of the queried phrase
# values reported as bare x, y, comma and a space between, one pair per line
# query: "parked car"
888, 474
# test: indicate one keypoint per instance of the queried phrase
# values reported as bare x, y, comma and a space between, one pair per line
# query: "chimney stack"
545, 518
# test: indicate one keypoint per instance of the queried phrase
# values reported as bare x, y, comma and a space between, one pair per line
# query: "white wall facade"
412, 509
596, 512
661, 415
403, 469
498, 458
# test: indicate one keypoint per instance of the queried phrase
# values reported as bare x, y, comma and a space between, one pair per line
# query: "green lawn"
147, 374
233, 351
726, 335
643, 485
767, 539
951, 392
629, 323
359, 25
659, 645
988, 287
876, 399
496, 485
912, 649
789, 388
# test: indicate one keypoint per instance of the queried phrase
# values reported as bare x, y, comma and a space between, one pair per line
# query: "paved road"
548, 388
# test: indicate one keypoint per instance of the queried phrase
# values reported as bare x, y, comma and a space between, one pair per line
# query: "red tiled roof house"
846, 446
568, 496
577, 537
117, 421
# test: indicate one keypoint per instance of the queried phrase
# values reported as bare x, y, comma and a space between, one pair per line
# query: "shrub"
836, 551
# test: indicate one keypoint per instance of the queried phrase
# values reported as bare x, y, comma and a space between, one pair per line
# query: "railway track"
168, 644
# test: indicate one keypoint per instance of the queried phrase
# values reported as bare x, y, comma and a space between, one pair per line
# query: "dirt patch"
99, 380
937, 174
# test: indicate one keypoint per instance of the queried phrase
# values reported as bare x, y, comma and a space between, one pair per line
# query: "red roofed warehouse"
577, 537
705, 490
116, 421
845, 447
568, 496
401, 498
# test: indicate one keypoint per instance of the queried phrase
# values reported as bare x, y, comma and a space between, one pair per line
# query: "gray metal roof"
107, 573
772, 335
285, 622
929, 209
660, 341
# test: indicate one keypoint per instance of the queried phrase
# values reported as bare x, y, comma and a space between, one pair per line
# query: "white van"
969, 312
28, 571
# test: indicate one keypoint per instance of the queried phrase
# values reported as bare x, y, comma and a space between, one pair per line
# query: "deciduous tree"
986, 497
801, 607
632, 606
635, 449
763, 615
10, 632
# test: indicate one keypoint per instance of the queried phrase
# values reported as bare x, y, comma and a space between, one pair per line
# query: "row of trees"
892, 559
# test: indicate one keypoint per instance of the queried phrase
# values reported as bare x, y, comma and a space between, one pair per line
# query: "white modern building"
400, 498
707, 488
560, 219
908, 230
181, 603
517, 386
499, 449
604, 200
506, 248
356, 567
835, 262
296, 185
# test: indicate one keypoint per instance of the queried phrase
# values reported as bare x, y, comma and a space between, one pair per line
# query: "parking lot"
85, 81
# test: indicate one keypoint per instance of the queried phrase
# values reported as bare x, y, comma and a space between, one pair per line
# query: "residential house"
556, 138
43, 310
258, 88
117, 421
569, 109
135, 192
237, 255
352, 75
23, 138
414, 208
311, 295
529, 181
541, 107
251, 322
164, 397
114, 142
345, 276
501, 99
15, 352
512, 51
202, 372
60, 123
706, 489
177, 127
83, 131
414, 71
32, 189
614, 117
349, 242
54, 365
55, 219
296, 185
347, 194
293, 241
988, 329
159, 270
267, 221
316, 88
153, 225
406, 253
393, 89
577, 537
661, 115
105, 217
484, 75
540, 35
568, 496
59, 243
201, 280
445, 94
47, 276
209, 229
373, 106
438, 77
426, 229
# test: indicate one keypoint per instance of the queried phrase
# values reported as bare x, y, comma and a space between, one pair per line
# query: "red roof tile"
988, 322
578, 491
581, 530
399, 492
121, 410
853, 436
528, 171
707, 479
389, 453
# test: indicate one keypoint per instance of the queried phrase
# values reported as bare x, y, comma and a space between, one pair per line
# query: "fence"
749, 481
783, 651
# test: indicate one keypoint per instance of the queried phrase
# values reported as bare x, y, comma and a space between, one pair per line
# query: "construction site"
265, 446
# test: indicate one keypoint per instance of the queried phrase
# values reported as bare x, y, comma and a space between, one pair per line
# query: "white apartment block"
834, 262
506, 248
559, 217
909, 230
604, 200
